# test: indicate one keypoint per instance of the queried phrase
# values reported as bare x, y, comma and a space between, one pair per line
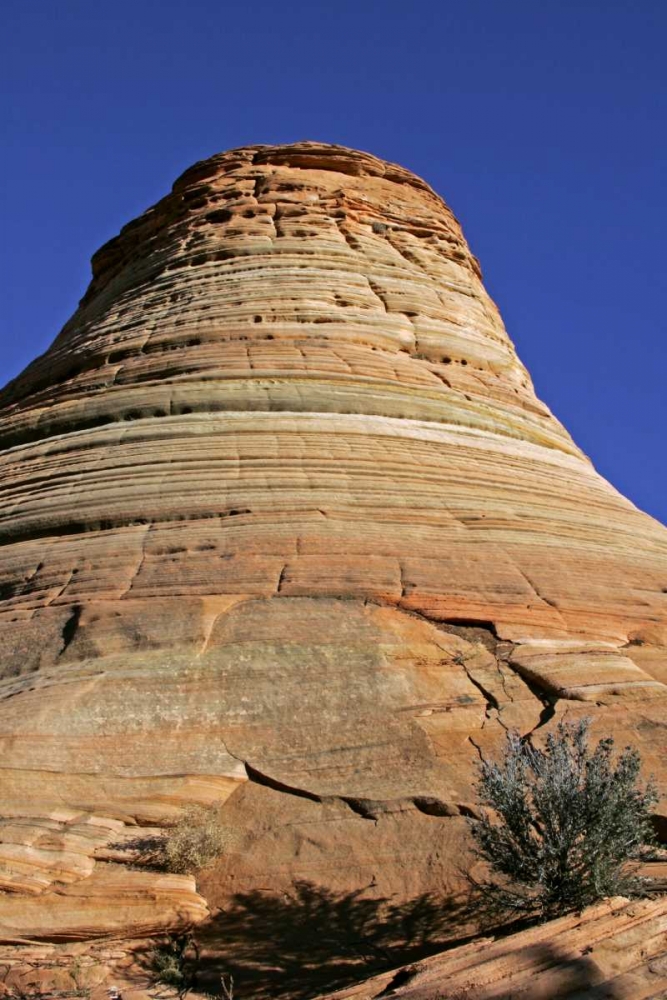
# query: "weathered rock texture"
284, 528
615, 951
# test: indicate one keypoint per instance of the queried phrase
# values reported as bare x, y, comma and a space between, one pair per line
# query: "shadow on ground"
300, 944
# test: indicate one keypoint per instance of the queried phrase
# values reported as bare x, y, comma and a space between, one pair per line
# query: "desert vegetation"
562, 827
193, 843
170, 964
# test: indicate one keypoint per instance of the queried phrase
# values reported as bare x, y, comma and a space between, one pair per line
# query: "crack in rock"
491, 700
370, 809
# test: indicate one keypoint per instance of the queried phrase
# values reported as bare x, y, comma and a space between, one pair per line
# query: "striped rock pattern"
615, 950
284, 528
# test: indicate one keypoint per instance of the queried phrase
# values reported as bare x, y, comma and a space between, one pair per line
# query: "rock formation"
614, 950
284, 528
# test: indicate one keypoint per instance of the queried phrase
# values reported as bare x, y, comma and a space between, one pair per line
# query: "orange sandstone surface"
614, 951
285, 529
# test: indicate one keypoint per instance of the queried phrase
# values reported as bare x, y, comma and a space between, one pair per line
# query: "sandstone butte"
285, 529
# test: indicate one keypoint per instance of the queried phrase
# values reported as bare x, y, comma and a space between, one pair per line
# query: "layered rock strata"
285, 529
614, 950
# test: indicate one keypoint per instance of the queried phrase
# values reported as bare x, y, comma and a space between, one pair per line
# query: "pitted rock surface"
284, 528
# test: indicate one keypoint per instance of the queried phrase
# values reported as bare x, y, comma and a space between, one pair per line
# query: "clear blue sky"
542, 122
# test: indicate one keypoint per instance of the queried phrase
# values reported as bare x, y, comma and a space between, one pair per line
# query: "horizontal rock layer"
284, 528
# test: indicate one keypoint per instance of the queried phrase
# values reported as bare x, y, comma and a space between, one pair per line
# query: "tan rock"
112, 900
614, 949
285, 529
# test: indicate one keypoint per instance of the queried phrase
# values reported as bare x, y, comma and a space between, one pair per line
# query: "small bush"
169, 964
569, 825
196, 841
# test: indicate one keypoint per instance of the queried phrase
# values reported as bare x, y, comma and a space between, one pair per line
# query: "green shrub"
169, 964
569, 825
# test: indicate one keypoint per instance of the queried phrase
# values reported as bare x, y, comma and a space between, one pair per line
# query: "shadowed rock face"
284, 527
614, 951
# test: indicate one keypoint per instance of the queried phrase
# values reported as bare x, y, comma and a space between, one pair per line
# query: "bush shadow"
310, 940
146, 852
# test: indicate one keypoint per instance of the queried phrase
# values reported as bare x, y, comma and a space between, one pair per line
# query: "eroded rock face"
284, 528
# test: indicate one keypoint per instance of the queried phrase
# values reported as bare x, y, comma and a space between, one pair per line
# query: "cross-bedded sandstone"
284, 526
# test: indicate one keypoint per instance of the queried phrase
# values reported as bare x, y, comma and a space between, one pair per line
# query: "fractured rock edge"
28, 861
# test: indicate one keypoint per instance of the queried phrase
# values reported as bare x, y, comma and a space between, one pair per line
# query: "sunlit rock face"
284, 527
